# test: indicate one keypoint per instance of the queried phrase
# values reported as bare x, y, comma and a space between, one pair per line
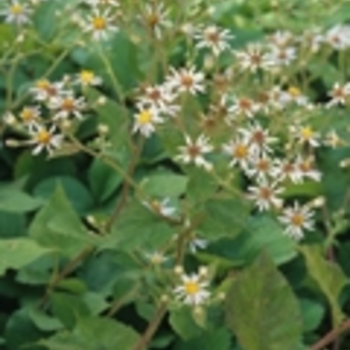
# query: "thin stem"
70, 267
331, 336
152, 328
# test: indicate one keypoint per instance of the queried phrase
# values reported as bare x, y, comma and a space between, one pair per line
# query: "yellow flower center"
191, 287
43, 137
294, 91
145, 117
87, 77
307, 133
27, 114
42, 84
153, 19
68, 104
187, 80
17, 10
240, 152
99, 23
297, 219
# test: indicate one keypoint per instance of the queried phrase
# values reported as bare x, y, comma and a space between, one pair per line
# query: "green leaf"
20, 323
103, 180
165, 185
218, 340
94, 334
182, 322
329, 277
15, 201
58, 226
262, 310
139, 229
68, 308
312, 313
77, 193
19, 252
224, 218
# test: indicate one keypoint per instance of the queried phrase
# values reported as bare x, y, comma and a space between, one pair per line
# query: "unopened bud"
178, 270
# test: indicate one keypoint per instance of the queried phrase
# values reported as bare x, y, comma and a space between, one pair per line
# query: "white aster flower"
100, 24
162, 207
66, 106
192, 290
297, 219
30, 116
239, 151
194, 151
244, 106
145, 121
282, 56
106, 3
287, 170
338, 37
307, 169
44, 90
45, 139
265, 195
17, 13
306, 135
339, 95
155, 17
88, 78
252, 58
214, 38
186, 80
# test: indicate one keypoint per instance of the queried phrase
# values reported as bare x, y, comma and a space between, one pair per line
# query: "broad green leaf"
329, 277
165, 185
19, 252
312, 313
182, 322
103, 180
12, 224
44, 321
68, 308
139, 229
94, 334
58, 226
262, 310
75, 191
21, 323
224, 218
15, 201
219, 340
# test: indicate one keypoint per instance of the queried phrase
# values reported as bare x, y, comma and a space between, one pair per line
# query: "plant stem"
152, 328
331, 336
70, 267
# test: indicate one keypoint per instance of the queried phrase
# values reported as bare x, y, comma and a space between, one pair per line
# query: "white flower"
17, 13
239, 151
66, 106
293, 94
282, 56
155, 17
260, 168
30, 116
306, 168
145, 121
339, 95
338, 37
192, 290
281, 38
265, 195
287, 170
100, 24
88, 78
186, 80
94, 3
213, 38
306, 135
45, 90
195, 243
193, 152
297, 220
161, 98
244, 106
45, 139
252, 58
162, 207
258, 138
156, 258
